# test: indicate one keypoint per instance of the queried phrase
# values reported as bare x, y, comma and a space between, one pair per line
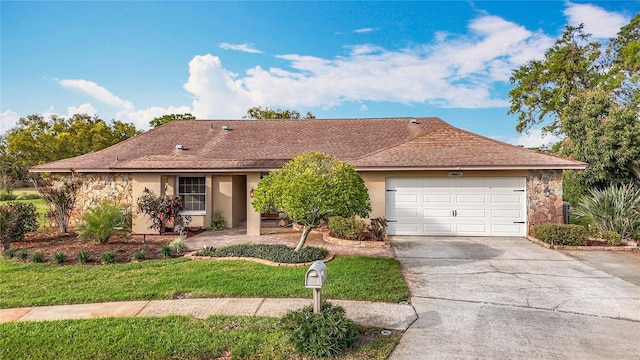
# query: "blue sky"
134, 61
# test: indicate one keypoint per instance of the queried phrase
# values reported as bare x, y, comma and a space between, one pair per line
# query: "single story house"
424, 176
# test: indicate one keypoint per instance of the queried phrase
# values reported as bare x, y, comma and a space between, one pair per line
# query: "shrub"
7, 196
109, 257
612, 238
16, 219
60, 196
11, 252
325, 334
218, 221
347, 228
139, 255
83, 256
178, 245
38, 257
28, 196
275, 253
102, 222
561, 234
60, 257
23, 254
166, 251
160, 209
616, 208
378, 228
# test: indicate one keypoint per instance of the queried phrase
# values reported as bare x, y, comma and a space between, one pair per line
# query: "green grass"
171, 337
349, 277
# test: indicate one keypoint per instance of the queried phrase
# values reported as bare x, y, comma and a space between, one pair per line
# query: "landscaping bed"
49, 241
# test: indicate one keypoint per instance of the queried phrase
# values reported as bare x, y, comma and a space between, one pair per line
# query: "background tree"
36, 140
11, 173
312, 187
170, 117
258, 113
591, 98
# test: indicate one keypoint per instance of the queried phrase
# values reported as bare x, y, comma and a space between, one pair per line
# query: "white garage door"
456, 206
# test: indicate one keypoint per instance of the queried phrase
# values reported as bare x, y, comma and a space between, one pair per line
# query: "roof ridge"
442, 122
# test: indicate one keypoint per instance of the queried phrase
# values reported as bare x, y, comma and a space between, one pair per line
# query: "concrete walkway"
384, 315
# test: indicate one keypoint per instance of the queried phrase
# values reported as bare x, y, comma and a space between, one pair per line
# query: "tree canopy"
258, 113
312, 187
170, 117
590, 97
36, 140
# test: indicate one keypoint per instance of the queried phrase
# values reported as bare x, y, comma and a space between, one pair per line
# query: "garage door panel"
477, 229
437, 199
507, 229
506, 214
438, 228
407, 198
457, 206
406, 213
471, 213
436, 213
471, 199
514, 198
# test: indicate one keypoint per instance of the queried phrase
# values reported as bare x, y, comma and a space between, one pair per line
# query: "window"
192, 190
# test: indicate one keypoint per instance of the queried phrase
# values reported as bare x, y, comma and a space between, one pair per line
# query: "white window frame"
182, 195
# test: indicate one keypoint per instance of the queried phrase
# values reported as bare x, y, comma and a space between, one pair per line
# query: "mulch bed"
50, 241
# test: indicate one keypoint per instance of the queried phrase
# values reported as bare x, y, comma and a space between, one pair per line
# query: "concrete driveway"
506, 298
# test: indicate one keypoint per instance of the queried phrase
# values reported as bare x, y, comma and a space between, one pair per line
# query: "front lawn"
348, 277
172, 337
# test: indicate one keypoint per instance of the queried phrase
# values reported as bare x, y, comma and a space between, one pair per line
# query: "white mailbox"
316, 275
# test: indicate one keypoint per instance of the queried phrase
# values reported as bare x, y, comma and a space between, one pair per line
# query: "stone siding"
97, 187
544, 197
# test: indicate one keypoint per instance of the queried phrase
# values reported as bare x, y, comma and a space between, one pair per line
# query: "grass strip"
171, 337
348, 277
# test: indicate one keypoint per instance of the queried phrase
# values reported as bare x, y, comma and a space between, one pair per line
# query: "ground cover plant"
172, 337
275, 253
349, 278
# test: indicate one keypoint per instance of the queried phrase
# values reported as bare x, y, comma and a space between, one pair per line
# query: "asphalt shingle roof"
395, 143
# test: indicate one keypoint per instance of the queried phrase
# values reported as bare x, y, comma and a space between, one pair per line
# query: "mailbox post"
314, 279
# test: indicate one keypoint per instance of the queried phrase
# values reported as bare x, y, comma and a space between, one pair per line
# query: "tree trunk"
303, 238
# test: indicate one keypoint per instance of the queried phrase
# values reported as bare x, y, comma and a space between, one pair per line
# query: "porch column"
253, 217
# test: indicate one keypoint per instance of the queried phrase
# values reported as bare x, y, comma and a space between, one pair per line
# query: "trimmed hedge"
561, 234
276, 253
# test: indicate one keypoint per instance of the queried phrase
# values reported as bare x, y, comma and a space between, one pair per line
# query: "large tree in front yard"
312, 187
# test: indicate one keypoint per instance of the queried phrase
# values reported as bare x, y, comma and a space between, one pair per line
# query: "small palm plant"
616, 208
102, 222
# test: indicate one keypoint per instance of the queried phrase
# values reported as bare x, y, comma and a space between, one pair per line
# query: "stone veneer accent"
544, 197
97, 187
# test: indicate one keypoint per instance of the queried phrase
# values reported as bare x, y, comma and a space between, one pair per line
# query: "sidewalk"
384, 315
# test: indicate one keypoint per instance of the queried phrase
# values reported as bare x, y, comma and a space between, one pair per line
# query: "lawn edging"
631, 246
192, 256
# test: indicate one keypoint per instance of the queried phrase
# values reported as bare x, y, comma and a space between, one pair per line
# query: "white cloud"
248, 48
535, 138
364, 30
97, 92
218, 94
460, 72
597, 21
364, 107
86, 108
8, 120
141, 118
